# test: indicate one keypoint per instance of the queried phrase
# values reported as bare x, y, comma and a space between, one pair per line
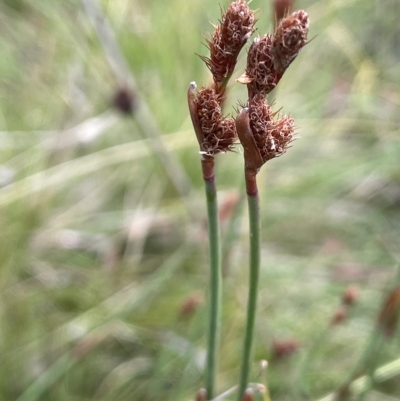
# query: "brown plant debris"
340, 315
289, 38
272, 137
235, 28
219, 132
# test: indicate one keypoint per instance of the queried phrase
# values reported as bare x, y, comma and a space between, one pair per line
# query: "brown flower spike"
215, 133
270, 56
260, 75
236, 26
289, 38
262, 137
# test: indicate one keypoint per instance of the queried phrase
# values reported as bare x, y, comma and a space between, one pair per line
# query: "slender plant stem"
386, 372
254, 224
301, 387
215, 275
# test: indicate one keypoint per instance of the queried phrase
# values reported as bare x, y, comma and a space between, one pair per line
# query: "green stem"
386, 372
301, 387
215, 276
254, 224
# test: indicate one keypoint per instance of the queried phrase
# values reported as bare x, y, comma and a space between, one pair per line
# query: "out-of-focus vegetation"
103, 263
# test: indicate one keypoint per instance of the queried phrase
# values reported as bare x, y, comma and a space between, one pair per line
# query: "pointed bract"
252, 156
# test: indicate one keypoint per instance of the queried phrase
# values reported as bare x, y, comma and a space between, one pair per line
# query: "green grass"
98, 250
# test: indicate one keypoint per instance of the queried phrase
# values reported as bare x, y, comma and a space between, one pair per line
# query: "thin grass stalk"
370, 361
214, 327
385, 372
254, 226
301, 386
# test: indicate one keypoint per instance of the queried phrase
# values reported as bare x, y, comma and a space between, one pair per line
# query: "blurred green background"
103, 241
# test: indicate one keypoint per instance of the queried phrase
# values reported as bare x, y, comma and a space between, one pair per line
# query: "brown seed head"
272, 137
390, 313
260, 74
125, 101
289, 38
284, 348
215, 132
201, 395
189, 306
236, 26
350, 295
248, 395
340, 315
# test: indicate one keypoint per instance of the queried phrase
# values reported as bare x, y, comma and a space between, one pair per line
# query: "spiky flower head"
269, 56
235, 28
263, 137
215, 133
260, 75
271, 136
289, 38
